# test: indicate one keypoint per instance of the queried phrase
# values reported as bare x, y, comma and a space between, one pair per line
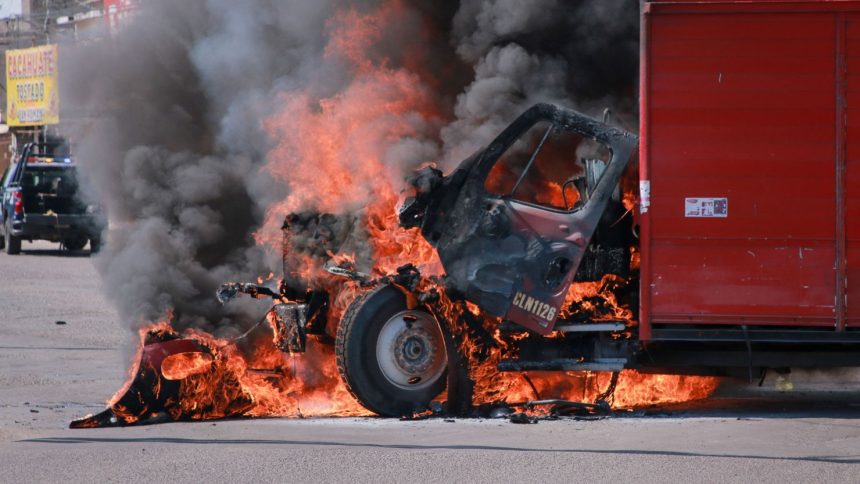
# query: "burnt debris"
151, 396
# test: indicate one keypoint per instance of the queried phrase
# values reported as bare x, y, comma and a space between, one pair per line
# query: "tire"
75, 243
391, 379
12, 243
95, 245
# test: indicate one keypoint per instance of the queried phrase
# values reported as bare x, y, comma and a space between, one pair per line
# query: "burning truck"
514, 226
561, 256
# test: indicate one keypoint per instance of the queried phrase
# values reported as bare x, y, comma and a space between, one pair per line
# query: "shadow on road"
762, 405
855, 459
55, 252
58, 348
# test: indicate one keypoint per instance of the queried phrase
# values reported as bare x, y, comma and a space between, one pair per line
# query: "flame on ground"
273, 383
201, 377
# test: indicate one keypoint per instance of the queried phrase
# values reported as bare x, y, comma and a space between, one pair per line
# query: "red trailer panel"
852, 171
748, 156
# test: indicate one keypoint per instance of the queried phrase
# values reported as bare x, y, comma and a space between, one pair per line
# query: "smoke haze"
206, 123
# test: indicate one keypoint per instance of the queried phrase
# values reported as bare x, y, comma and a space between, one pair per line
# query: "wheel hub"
411, 350
414, 350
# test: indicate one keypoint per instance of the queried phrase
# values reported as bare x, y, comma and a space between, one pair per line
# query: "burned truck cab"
513, 224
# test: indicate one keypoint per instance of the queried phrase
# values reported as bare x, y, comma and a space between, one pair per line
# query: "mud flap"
460, 385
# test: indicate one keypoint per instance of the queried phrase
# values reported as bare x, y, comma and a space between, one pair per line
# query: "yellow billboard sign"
32, 98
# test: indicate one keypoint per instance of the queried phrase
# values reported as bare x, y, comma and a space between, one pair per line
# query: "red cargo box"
750, 165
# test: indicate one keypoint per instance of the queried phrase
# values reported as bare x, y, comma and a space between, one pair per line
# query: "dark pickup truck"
38, 201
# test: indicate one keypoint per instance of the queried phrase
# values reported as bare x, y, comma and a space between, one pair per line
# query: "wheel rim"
411, 350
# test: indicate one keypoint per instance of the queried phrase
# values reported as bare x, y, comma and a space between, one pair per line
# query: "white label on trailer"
704, 207
644, 195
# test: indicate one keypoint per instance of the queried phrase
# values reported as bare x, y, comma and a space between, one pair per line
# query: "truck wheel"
392, 359
75, 243
12, 243
95, 244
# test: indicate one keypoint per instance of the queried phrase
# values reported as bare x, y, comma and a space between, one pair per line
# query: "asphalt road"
51, 373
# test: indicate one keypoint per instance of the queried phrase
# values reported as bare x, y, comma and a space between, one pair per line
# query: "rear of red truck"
750, 183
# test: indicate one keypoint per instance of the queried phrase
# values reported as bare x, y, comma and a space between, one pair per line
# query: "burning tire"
393, 359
